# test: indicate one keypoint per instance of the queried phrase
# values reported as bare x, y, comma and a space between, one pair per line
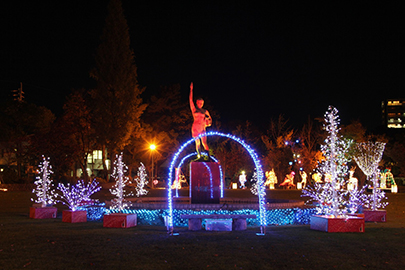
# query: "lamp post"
152, 147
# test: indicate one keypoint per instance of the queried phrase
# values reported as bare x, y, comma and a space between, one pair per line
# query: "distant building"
393, 113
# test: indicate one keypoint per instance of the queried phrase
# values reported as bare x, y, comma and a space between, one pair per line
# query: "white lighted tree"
141, 181
44, 192
254, 188
77, 195
367, 157
331, 195
121, 180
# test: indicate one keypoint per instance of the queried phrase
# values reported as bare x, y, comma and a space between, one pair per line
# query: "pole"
151, 182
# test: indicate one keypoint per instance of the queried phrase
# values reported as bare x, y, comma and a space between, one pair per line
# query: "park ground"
51, 244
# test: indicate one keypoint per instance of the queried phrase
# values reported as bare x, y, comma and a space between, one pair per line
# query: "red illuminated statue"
202, 120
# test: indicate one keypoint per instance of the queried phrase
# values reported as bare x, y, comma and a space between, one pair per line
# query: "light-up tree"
331, 196
45, 195
254, 188
121, 180
77, 195
367, 157
141, 181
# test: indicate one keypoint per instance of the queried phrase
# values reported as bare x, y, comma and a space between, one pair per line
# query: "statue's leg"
198, 147
206, 148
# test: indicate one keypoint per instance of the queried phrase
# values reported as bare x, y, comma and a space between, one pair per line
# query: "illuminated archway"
260, 182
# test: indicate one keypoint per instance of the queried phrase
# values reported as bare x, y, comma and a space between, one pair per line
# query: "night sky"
251, 62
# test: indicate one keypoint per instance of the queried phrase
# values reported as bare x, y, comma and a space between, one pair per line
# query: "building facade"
393, 113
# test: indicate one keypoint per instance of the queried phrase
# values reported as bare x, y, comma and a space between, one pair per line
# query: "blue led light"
156, 217
252, 153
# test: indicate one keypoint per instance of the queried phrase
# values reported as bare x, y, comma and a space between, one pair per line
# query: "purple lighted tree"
77, 195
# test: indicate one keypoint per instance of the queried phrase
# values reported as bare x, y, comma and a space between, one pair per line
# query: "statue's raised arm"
192, 107
201, 120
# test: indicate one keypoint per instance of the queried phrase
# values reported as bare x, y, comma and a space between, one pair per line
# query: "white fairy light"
45, 195
367, 157
254, 189
120, 169
141, 181
330, 196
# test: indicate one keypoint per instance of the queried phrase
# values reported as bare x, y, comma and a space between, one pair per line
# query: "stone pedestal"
375, 215
70, 216
119, 220
205, 180
43, 212
337, 224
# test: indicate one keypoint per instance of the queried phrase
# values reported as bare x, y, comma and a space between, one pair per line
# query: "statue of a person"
202, 119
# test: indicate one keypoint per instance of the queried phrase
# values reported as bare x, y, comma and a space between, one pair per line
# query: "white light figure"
271, 179
74, 196
331, 198
303, 182
289, 180
242, 180
121, 180
353, 181
367, 158
179, 179
141, 181
45, 195
383, 179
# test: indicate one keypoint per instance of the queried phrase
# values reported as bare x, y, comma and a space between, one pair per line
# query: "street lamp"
152, 147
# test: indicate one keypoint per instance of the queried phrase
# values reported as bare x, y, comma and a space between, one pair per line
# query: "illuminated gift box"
43, 212
218, 224
119, 220
337, 224
375, 215
205, 179
77, 216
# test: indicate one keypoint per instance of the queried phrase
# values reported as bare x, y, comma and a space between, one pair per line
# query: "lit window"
97, 154
394, 103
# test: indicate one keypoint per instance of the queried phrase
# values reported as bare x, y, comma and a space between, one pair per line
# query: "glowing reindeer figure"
353, 181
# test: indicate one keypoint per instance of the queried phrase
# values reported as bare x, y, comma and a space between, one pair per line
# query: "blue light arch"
220, 171
260, 180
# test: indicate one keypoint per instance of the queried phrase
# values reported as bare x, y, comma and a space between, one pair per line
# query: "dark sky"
253, 62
